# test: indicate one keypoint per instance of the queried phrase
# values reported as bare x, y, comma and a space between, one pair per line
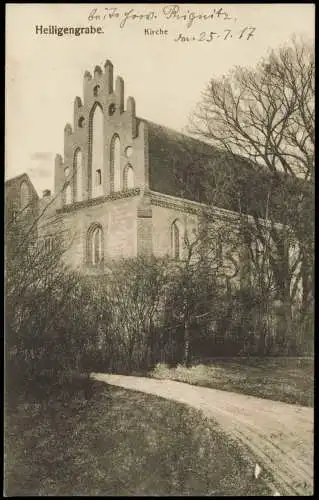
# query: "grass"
290, 380
94, 439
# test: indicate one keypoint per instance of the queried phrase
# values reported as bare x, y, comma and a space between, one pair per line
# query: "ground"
290, 380
279, 435
89, 438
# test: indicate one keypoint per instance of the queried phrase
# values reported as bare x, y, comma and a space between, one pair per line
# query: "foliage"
263, 119
47, 333
146, 310
133, 291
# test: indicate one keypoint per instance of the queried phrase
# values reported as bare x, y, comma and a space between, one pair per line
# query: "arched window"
24, 195
128, 177
95, 245
98, 174
176, 245
48, 243
68, 195
115, 163
14, 215
78, 174
97, 147
112, 109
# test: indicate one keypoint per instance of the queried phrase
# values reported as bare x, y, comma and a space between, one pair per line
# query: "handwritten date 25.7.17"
209, 36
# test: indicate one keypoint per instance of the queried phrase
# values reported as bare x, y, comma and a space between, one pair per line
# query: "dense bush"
52, 316
140, 312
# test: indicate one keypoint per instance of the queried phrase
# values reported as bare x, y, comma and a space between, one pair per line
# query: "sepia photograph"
159, 249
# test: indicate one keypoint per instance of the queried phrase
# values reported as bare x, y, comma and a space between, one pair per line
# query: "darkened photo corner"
159, 250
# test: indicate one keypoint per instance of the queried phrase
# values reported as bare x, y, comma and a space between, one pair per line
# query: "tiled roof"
189, 168
180, 164
174, 162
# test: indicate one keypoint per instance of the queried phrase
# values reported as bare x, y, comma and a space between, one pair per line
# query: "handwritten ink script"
225, 25
204, 36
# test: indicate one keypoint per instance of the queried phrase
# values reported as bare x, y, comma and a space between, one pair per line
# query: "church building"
125, 186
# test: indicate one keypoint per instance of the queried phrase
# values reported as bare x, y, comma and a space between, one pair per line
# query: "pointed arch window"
78, 174
96, 90
24, 195
115, 163
95, 242
48, 243
176, 241
128, 177
96, 150
68, 194
98, 175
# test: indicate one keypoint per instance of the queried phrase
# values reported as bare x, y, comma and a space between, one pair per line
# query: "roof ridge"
17, 177
177, 132
213, 148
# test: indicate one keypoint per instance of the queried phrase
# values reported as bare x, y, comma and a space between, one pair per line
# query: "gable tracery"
101, 141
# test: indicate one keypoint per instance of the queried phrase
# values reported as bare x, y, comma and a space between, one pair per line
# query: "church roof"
183, 166
186, 167
13, 184
174, 162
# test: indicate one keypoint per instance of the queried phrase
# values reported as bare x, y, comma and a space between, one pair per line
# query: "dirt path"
279, 435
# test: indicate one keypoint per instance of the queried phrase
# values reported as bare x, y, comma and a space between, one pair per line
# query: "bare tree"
264, 119
200, 281
265, 114
45, 329
135, 293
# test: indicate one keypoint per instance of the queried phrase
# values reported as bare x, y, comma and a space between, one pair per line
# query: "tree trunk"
290, 334
186, 343
261, 326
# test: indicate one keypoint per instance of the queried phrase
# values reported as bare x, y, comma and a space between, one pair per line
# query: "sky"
164, 73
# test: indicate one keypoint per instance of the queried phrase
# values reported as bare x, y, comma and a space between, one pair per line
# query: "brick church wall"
117, 217
166, 210
116, 211
117, 120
